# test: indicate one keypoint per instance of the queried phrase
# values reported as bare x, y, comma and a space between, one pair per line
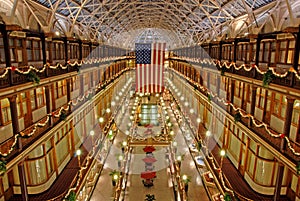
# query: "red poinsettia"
149, 149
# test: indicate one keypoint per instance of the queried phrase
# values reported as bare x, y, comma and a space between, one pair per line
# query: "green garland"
267, 78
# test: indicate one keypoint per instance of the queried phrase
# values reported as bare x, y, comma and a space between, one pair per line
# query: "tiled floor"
163, 187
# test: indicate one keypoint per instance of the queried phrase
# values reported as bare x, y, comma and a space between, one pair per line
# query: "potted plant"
2, 167
150, 197
267, 78
71, 196
63, 115
298, 167
227, 197
114, 177
237, 117
199, 145
32, 76
186, 180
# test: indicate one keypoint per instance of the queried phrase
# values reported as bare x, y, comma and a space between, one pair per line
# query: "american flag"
150, 59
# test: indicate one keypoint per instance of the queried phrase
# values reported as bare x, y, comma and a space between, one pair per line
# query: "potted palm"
150, 197
2, 167
114, 177
186, 180
71, 196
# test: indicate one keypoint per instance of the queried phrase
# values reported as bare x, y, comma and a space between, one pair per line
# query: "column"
232, 86
218, 81
69, 92
66, 49
235, 49
296, 51
80, 50
252, 103
44, 55
14, 117
296, 56
286, 132
48, 102
258, 39
16, 130
220, 51
22, 177
6, 51
81, 88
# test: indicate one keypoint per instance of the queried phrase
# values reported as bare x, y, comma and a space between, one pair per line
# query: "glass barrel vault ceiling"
124, 22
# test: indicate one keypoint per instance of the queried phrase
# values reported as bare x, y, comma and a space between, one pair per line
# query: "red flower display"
149, 160
148, 175
149, 149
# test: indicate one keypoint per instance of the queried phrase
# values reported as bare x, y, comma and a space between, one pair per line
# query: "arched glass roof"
180, 23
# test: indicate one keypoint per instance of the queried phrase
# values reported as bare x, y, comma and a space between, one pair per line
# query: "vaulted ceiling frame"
106, 14
115, 19
184, 5
33, 13
181, 12
176, 27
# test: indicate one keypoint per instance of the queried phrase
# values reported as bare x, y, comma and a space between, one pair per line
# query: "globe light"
208, 133
101, 119
222, 152
78, 152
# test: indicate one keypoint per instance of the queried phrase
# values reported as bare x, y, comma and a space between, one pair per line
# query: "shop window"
37, 97
5, 110
60, 88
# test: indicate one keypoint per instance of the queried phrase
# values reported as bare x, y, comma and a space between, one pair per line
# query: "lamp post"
208, 134
92, 133
222, 153
120, 159
179, 159
186, 181
78, 153
101, 120
124, 144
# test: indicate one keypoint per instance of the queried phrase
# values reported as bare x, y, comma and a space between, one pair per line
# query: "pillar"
69, 92
66, 49
14, 117
6, 51
48, 102
286, 132
16, 130
232, 86
252, 103
296, 51
23, 185
220, 51
235, 50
